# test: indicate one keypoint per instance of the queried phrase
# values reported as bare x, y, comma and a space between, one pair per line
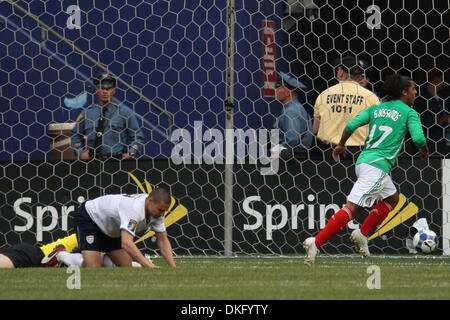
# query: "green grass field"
240, 279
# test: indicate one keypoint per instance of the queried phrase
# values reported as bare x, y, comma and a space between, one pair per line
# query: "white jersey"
116, 212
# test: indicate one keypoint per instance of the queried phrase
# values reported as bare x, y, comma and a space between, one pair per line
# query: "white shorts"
373, 184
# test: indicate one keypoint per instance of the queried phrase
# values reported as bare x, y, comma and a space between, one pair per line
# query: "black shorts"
89, 235
24, 255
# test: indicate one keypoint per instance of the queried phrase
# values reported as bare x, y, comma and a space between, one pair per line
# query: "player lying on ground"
56, 253
63, 258
60, 257
25, 255
109, 223
389, 123
120, 215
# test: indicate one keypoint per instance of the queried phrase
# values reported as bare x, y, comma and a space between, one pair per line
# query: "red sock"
336, 223
376, 216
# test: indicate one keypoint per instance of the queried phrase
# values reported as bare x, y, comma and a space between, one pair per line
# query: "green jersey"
388, 125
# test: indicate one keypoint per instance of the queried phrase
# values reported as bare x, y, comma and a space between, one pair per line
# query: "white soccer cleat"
311, 250
361, 243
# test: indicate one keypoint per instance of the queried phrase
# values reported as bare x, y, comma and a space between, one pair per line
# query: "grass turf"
284, 278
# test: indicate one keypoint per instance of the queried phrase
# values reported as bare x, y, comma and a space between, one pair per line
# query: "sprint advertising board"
38, 204
280, 211
272, 214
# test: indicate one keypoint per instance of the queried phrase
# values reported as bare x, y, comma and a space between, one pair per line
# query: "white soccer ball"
425, 241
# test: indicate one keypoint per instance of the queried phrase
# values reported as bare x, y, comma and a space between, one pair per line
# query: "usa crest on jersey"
90, 239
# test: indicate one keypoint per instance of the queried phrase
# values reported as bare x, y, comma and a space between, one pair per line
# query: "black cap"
105, 81
351, 65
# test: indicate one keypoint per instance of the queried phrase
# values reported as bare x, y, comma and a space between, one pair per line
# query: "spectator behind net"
294, 123
433, 108
111, 130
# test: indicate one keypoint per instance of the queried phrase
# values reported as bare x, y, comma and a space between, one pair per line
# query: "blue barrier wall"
173, 52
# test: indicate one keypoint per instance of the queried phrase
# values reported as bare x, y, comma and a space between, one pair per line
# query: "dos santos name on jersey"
345, 98
387, 113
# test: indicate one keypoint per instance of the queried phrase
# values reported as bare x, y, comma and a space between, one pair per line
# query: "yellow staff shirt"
339, 104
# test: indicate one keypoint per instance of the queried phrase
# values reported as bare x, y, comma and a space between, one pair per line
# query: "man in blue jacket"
111, 131
294, 123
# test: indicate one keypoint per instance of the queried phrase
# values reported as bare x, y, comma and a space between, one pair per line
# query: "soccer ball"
425, 241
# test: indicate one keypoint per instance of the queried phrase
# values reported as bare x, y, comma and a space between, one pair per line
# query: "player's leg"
334, 225
380, 211
106, 261
76, 259
21, 255
89, 238
120, 258
113, 247
376, 216
70, 259
89, 243
91, 259
5, 262
393, 199
337, 222
385, 190
369, 178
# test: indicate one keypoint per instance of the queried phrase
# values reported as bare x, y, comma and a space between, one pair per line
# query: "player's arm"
134, 252
360, 120
165, 247
129, 220
340, 148
416, 131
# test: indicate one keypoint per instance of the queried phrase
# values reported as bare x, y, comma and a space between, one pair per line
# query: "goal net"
186, 74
